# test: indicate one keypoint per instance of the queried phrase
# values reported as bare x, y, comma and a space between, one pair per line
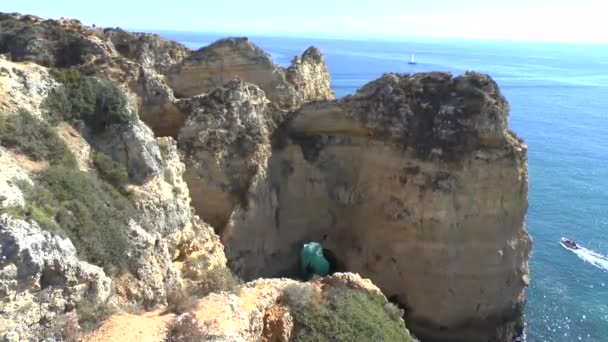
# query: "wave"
596, 259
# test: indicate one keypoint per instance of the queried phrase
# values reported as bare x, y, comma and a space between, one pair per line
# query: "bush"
35, 138
347, 316
179, 301
91, 314
37, 214
186, 328
64, 328
95, 101
218, 279
78, 205
109, 170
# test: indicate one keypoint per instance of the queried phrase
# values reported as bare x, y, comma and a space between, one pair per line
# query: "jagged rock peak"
309, 75
314, 54
148, 49
226, 59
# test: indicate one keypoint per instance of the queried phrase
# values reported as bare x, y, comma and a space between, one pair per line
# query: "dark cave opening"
335, 264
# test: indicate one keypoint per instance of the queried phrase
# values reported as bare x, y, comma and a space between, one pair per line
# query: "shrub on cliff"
216, 280
91, 314
78, 205
186, 328
179, 301
34, 138
346, 315
109, 170
95, 101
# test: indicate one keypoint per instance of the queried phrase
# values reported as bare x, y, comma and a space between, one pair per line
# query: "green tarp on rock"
312, 261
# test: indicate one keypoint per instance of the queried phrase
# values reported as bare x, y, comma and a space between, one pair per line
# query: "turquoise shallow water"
559, 105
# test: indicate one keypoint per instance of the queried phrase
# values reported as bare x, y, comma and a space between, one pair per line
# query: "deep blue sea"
559, 104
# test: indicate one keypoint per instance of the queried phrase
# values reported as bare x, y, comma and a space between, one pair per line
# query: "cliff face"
415, 182
226, 141
43, 280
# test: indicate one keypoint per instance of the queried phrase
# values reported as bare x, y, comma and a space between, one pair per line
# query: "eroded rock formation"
227, 141
214, 65
414, 181
41, 279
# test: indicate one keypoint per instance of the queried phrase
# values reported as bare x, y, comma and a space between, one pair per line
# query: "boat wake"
596, 259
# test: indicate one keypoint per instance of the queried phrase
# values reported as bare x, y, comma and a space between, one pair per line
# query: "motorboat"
568, 243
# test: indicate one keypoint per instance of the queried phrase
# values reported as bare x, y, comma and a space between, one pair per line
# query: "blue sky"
536, 20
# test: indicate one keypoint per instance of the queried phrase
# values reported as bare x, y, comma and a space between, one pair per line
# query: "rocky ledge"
199, 159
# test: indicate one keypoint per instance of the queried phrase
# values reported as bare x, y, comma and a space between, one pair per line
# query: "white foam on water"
596, 259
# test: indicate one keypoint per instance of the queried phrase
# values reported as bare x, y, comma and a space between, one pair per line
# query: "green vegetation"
80, 206
34, 138
109, 170
91, 314
218, 279
347, 316
186, 329
95, 101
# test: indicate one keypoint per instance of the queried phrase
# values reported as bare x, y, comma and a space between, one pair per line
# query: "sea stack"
415, 182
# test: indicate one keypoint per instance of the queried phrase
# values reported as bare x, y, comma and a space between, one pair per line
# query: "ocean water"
558, 95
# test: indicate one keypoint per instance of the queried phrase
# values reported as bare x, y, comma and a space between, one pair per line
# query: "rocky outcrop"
167, 231
41, 279
66, 43
414, 182
23, 86
309, 75
226, 141
226, 59
11, 173
61, 43
164, 234
158, 106
262, 310
132, 145
133, 59
149, 50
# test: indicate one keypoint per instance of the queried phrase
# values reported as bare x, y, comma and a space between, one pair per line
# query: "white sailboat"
412, 61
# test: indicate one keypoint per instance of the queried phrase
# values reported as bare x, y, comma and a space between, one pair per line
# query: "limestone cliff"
44, 282
226, 141
414, 181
